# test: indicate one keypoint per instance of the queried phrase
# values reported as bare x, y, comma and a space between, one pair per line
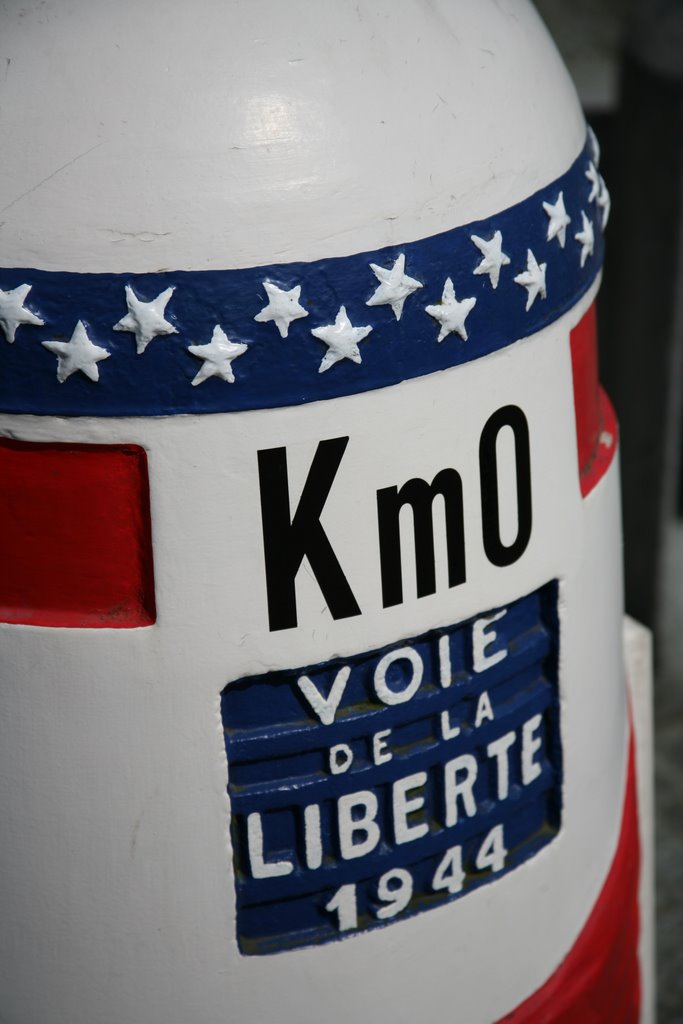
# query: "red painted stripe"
606, 448
75, 535
596, 424
599, 980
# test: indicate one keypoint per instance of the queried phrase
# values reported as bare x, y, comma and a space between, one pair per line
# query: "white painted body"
157, 135
225, 135
638, 657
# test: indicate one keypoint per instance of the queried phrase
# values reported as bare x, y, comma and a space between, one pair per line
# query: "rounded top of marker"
144, 137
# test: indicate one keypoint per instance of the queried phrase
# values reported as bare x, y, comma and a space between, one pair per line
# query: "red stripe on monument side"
598, 982
596, 423
75, 535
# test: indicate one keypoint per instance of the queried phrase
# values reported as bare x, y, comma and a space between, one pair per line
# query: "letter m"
288, 539
419, 495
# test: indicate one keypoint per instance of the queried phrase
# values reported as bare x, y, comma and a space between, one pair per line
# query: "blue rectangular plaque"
370, 788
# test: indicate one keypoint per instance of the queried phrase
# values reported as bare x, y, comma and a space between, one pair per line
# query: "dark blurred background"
626, 58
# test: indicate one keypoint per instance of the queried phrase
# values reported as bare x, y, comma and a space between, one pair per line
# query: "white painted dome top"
228, 133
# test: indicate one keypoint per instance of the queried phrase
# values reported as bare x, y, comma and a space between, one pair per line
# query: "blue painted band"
502, 729
275, 371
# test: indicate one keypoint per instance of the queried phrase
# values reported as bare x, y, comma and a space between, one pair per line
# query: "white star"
146, 319
595, 145
450, 313
594, 178
533, 279
78, 353
218, 355
283, 307
494, 257
604, 202
341, 339
394, 286
559, 220
586, 237
13, 312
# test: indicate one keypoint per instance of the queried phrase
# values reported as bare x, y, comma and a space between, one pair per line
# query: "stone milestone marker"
313, 697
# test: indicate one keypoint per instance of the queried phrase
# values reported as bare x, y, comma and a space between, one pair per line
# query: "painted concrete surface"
638, 661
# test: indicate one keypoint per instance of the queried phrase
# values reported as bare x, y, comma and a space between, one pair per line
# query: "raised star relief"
533, 279
13, 312
494, 257
394, 286
586, 237
217, 357
77, 354
558, 220
342, 340
604, 202
594, 179
146, 320
451, 313
283, 307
